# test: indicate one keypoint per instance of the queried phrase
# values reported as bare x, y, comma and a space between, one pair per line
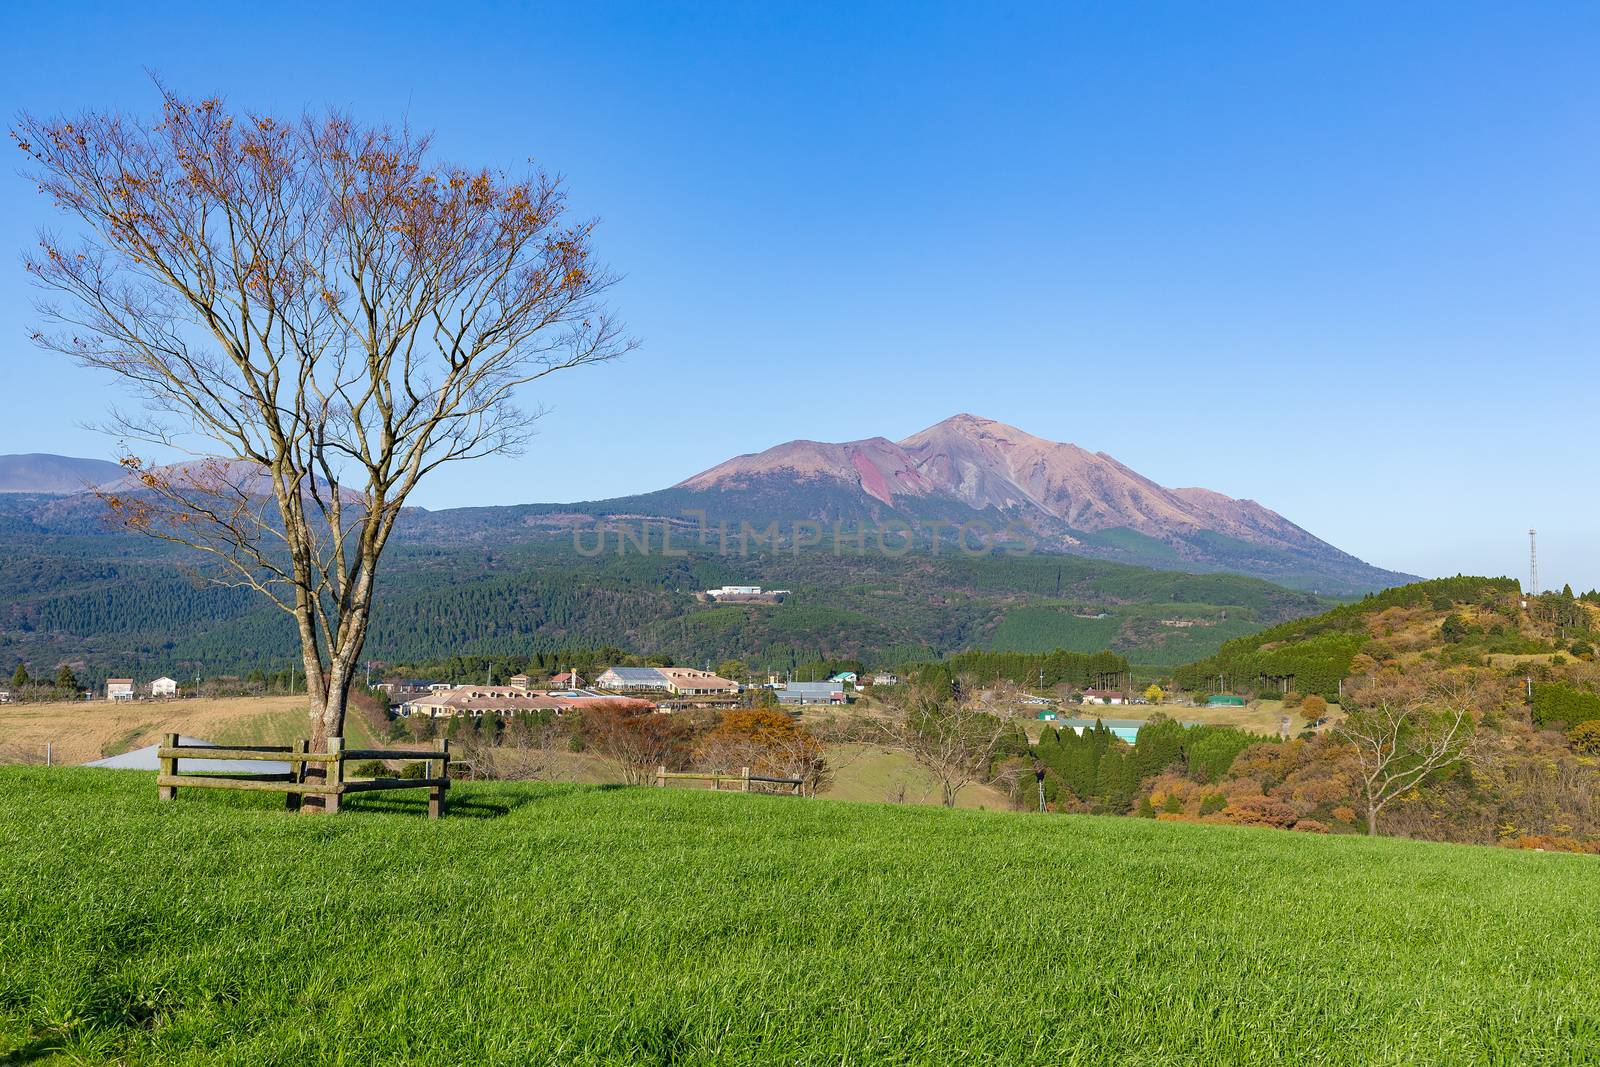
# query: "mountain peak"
1065, 493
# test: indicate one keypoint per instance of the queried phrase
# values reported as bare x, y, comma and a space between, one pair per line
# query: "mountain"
1072, 500
40, 472
1016, 491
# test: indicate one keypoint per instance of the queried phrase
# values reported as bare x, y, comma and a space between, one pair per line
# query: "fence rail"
318, 775
744, 778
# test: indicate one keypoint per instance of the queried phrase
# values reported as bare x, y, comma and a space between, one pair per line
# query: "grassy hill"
588, 925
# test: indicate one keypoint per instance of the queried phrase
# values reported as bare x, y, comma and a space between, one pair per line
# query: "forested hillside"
1461, 620
116, 603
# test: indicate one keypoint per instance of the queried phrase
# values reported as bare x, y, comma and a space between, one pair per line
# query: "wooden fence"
744, 778
326, 784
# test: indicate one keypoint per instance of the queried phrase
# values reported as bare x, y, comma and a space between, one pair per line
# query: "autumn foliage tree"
321, 308
636, 741
769, 742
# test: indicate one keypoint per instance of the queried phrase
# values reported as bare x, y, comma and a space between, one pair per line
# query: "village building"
1104, 696
844, 677
507, 700
744, 594
567, 680
885, 678
404, 687
688, 682
520, 681
624, 679
812, 693
120, 689
164, 688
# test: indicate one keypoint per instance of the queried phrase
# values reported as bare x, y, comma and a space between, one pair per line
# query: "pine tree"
19, 678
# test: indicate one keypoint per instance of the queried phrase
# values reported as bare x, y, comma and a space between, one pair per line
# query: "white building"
164, 687
119, 689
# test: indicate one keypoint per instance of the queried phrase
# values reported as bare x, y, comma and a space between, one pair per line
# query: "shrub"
1585, 737
1559, 706
370, 769
1311, 826
1292, 698
1213, 803
1314, 707
1260, 811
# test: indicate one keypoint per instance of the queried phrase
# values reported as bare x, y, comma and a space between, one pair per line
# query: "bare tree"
955, 740
323, 311
1401, 739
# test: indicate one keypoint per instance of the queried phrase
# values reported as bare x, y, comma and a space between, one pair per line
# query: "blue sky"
1343, 259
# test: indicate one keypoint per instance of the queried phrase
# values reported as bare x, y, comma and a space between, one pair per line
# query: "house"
844, 677
164, 687
688, 682
565, 680
507, 700
119, 689
520, 681
5, 696
812, 693
885, 678
1104, 696
622, 679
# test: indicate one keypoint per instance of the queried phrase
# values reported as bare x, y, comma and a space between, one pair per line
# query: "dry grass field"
80, 731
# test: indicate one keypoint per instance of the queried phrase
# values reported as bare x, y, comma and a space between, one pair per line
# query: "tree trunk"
1372, 820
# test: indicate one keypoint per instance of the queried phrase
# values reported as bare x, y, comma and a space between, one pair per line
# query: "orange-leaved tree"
768, 742
325, 312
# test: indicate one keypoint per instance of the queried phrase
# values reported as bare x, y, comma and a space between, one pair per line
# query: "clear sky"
1343, 259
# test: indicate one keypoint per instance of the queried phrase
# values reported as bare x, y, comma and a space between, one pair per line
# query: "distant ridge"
42, 472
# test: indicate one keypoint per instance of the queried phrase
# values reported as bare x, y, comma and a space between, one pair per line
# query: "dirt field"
80, 731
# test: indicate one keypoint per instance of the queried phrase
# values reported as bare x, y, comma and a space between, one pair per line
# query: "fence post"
169, 767
297, 773
439, 768
333, 775
661, 776
744, 772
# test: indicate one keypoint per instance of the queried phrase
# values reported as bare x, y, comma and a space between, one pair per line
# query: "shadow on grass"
475, 804
32, 1052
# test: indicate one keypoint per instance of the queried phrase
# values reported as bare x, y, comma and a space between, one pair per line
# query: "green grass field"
572, 924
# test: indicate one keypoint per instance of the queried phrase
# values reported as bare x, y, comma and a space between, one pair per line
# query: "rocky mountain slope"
1073, 499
